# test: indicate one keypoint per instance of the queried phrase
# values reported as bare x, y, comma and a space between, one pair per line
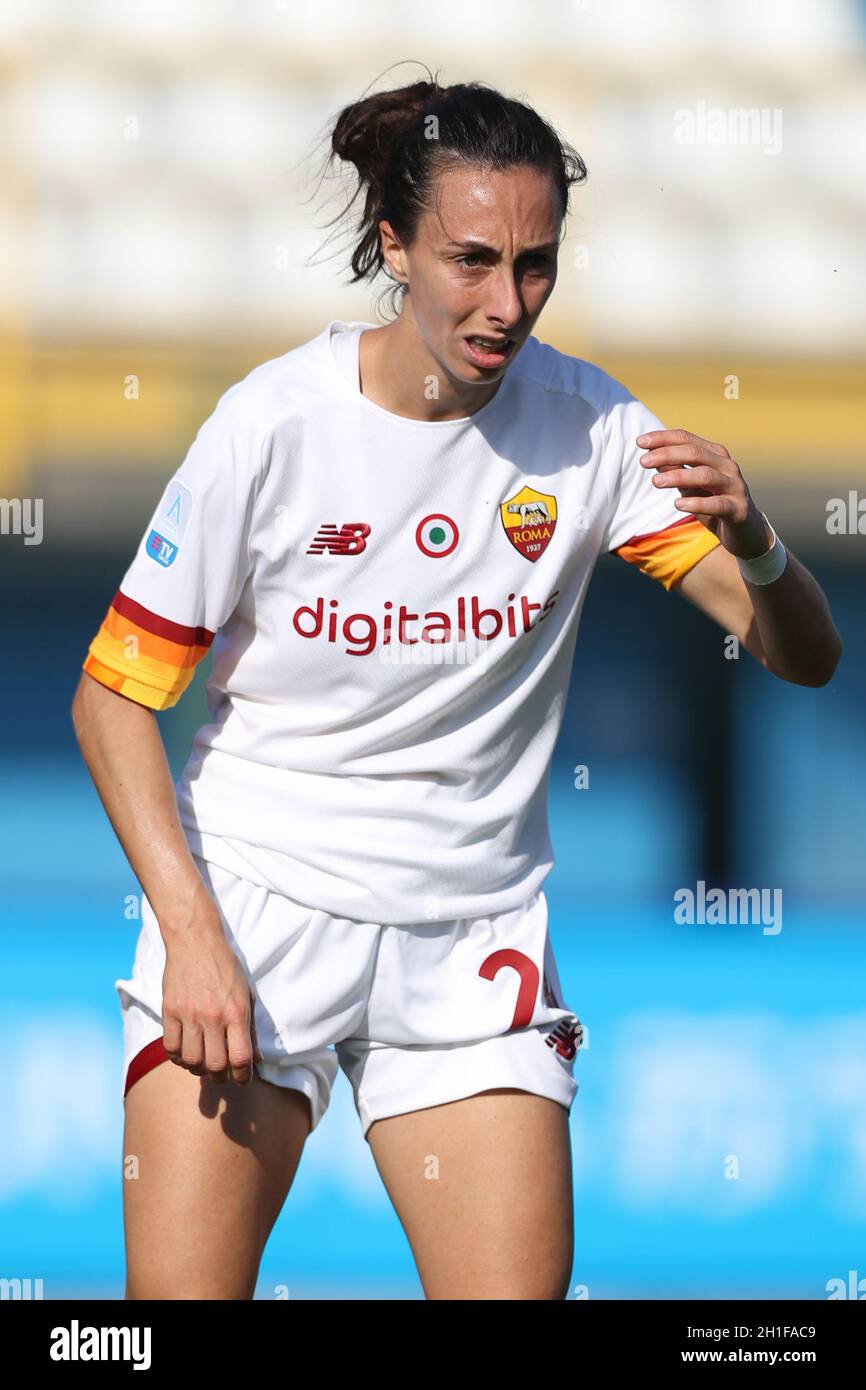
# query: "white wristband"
763, 569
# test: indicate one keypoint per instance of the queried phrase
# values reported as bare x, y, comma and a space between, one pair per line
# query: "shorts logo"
350, 539
436, 535
161, 550
529, 518
566, 1037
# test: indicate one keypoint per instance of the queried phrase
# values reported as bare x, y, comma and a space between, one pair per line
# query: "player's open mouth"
488, 352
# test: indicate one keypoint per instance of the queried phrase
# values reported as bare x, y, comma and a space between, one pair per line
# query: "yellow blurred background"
163, 228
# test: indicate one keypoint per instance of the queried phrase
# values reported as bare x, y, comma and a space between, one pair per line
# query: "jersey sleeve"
188, 572
644, 527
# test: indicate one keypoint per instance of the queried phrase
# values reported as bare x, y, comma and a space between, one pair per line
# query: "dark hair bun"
365, 133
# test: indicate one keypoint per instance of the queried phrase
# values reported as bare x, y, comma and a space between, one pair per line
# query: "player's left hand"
711, 487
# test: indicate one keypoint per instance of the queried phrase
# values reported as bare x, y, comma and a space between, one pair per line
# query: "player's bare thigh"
213, 1164
483, 1189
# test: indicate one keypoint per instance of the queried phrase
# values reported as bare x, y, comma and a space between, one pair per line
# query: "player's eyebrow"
474, 244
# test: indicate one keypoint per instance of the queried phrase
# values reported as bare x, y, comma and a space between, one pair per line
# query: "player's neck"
399, 374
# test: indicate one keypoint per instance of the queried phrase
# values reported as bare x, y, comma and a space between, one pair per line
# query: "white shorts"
414, 1015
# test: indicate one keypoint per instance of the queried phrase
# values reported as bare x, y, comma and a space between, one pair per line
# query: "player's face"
483, 264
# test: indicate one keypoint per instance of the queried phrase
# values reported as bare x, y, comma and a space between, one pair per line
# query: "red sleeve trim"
161, 627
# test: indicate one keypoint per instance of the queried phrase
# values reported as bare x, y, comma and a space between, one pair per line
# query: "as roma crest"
529, 518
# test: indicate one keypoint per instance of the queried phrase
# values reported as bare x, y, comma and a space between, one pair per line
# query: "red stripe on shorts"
144, 1061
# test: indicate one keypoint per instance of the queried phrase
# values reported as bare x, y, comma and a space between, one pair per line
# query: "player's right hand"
208, 1009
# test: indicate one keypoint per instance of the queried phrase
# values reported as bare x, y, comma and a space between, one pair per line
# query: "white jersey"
392, 606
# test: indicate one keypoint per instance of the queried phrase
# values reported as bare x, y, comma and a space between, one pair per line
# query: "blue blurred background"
156, 234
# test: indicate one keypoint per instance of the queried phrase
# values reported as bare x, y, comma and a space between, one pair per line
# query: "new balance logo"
566, 1037
349, 539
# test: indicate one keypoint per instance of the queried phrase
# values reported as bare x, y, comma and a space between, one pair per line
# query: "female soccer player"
385, 536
